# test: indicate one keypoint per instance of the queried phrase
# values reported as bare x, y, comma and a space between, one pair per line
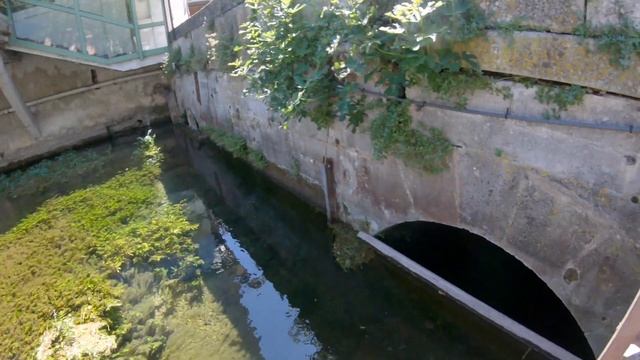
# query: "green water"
269, 285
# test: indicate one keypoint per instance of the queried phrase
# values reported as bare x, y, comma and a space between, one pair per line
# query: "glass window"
153, 38
113, 9
63, 29
149, 11
106, 40
46, 27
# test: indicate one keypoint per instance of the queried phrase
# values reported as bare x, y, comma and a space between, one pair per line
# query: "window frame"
79, 14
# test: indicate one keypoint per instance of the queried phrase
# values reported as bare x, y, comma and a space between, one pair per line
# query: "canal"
268, 285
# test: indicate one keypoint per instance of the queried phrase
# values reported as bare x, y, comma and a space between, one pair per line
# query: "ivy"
622, 42
195, 60
221, 51
311, 63
559, 98
176, 62
392, 134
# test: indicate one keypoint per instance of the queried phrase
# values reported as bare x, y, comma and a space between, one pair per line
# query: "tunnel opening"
489, 273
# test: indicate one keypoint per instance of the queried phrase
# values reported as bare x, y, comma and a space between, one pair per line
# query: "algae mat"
66, 265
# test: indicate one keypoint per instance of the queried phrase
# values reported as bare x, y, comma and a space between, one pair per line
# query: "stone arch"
492, 274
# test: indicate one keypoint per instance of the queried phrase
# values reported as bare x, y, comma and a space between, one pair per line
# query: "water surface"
271, 288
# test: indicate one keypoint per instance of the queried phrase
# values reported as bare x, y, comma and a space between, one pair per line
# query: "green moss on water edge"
350, 252
52, 172
62, 260
237, 146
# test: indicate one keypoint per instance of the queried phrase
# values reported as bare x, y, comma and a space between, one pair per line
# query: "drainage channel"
485, 311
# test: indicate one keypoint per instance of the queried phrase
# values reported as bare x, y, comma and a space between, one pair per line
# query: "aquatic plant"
63, 258
349, 251
50, 173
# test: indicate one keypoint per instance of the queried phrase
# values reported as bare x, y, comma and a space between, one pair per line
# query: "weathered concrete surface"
14, 98
560, 199
613, 12
73, 119
595, 109
37, 77
557, 198
550, 15
563, 58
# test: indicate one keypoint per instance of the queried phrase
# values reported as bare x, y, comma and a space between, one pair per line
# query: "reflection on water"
288, 337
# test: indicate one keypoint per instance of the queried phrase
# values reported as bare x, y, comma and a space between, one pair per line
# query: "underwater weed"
49, 173
349, 251
61, 260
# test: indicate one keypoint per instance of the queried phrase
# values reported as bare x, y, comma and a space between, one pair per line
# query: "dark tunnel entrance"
492, 275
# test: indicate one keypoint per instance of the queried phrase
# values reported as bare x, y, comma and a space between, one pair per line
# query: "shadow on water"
492, 275
297, 301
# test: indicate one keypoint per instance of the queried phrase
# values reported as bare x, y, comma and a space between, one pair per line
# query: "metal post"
15, 100
80, 28
166, 24
136, 29
171, 19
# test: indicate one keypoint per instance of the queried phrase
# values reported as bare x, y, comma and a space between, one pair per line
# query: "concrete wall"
560, 198
105, 101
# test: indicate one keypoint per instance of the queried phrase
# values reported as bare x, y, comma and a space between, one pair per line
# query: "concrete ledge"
550, 15
563, 58
598, 110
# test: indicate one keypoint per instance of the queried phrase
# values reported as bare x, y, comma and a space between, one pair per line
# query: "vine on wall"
178, 63
622, 42
312, 61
